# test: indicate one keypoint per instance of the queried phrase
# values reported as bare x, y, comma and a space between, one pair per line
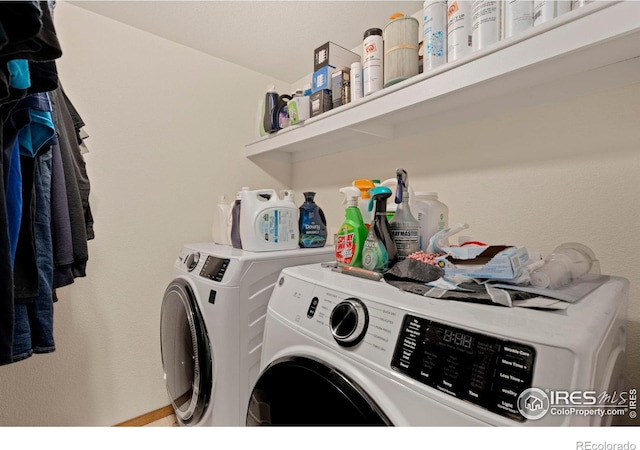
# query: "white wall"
540, 177
168, 126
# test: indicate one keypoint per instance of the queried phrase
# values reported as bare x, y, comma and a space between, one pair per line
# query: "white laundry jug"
267, 222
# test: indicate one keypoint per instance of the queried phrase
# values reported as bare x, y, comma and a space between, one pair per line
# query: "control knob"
349, 321
192, 261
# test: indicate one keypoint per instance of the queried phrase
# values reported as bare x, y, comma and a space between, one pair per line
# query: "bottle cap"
372, 32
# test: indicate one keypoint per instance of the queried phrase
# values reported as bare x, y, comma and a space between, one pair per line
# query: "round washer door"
306, 392
186, 353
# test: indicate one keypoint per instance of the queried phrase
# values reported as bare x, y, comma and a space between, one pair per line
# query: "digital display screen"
214, 268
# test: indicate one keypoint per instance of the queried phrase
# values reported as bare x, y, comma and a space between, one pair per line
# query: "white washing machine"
211, 327
340, 350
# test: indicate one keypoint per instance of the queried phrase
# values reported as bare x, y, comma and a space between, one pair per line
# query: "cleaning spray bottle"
379, 251
363, 203
404, 226
312, 223
352, 233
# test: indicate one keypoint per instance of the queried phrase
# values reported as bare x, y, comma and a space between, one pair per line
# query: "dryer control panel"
214, 268
481, 369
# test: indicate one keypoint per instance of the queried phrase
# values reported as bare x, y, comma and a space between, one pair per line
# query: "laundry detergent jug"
267, 222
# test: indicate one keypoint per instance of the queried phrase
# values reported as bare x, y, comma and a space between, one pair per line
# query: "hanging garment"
76, 181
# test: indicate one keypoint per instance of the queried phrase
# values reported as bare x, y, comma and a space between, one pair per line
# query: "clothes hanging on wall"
45, 217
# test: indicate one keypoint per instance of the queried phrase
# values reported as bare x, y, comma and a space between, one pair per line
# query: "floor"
169, 421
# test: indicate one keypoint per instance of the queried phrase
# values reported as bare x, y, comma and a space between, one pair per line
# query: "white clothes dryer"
340, 350
211, 327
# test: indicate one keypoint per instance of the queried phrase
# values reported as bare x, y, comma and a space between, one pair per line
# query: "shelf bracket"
384, 131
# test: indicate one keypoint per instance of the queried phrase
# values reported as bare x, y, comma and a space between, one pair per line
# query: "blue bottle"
312, 223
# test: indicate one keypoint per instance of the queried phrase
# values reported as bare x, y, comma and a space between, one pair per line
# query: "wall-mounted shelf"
593, 48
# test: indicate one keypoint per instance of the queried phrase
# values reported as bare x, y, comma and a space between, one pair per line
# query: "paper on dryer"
570, 293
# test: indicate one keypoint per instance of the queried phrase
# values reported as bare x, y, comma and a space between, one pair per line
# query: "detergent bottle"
220, 227
379, 253
312, 223
363, 203
267, 222
352, 233
236, 239
404, 226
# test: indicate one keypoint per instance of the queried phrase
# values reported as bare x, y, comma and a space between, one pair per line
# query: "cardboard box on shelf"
320, 102
330, 54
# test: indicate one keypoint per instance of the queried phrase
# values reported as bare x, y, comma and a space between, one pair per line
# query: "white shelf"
593, 48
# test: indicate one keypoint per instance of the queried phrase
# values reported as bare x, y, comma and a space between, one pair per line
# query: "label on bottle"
278, 225
345, 245
405, 236
374, 255
313, 233
373, 74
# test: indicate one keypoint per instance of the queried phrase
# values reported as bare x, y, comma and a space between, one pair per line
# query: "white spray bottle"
404, 226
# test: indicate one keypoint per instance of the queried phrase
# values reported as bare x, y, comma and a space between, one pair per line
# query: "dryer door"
186, 353
302, 391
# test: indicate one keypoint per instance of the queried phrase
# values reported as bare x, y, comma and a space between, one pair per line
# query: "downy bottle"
352, 233
379, 253
404, 226
312, 223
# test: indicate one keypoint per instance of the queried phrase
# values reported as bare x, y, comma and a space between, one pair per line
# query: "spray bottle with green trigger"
380, 251
352, 233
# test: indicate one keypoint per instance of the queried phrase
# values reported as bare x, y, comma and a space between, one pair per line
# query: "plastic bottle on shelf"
458, 29
434, 30
404, 225
372, 61
270, 115
356, 80
545, 10
485, 23
518, 17
432, 215
298, 107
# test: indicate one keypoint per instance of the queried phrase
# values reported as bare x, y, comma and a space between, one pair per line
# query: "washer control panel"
214, 268
481, 369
